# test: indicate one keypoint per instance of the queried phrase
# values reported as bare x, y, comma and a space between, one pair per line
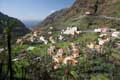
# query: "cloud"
52, 11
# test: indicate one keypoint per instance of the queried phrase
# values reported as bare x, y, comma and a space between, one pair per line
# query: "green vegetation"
92, 65
37, 64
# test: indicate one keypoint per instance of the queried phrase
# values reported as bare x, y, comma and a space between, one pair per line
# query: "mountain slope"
18, 30
71, 16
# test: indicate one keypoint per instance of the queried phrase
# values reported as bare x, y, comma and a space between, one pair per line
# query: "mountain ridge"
65, 17
19, 30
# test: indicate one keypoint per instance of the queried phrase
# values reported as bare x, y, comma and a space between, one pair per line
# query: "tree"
8, 23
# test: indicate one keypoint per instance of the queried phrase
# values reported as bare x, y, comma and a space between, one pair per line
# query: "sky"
32, 9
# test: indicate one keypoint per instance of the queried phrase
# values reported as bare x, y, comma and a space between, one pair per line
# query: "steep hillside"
18, 30
74, 15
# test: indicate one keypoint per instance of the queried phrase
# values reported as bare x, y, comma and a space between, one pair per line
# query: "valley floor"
80, 56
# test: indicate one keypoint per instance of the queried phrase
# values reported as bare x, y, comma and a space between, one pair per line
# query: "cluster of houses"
71, 31
106, 35
59, 56
36, 37
66, 34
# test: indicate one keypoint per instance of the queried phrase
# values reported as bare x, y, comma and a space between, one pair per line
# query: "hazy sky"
32, 9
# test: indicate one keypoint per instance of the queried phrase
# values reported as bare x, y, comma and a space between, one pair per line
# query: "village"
71, 32
60, 40
71, 53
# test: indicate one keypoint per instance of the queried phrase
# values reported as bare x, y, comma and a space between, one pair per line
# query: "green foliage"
99, 77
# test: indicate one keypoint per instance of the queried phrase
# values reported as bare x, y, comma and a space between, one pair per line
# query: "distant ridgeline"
17, 31
72, 16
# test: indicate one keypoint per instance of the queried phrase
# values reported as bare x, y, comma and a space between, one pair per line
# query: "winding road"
100, 16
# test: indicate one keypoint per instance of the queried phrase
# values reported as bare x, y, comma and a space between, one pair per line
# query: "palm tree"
8, 24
